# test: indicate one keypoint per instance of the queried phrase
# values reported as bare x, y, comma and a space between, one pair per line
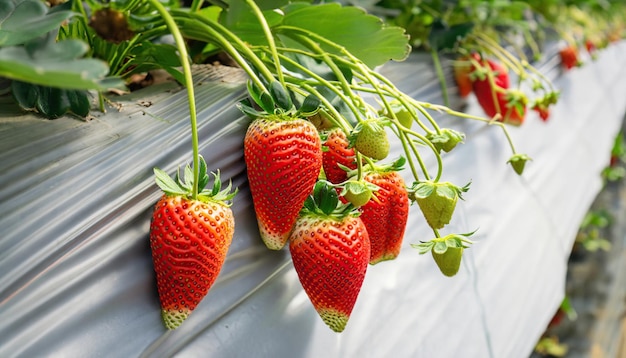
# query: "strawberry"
542, 110
437, 201
518, 162
403, 115
370, 139
497, 98
189, 239
569, 57
330, 249
462, 69
357, 192
446, 140
446, 251
284, 157
338, 153
386, 215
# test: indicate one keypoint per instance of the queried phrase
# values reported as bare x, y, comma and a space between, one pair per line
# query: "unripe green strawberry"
446, 251
358, 193
189, 239
448, 261
446, 140
401, 112
437, 201
370, 139
330, 249
518, 162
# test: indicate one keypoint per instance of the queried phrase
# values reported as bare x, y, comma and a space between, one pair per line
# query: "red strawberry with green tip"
330, 250
189, 239
386, 214
437, 200
283, 157
337, 153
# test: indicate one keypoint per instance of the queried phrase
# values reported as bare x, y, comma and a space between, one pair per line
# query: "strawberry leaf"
49, 101
280, 96
25, 20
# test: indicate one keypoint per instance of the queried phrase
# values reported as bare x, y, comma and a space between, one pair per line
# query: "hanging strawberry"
330, 249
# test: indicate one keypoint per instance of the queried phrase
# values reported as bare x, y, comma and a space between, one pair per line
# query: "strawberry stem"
184, 59
269, 37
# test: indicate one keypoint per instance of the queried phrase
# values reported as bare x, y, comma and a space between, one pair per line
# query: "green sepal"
324, 201
261, 98
184, 186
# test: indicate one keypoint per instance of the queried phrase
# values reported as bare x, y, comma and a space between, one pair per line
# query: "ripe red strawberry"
385, 216
330, 249
462, 69
337, 153
189, 239
437, 200
569, 57
284, 158
542, 110
498, 98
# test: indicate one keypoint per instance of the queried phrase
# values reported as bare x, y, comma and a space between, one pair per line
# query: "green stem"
203, 29
184, 59
269, 37
442, 79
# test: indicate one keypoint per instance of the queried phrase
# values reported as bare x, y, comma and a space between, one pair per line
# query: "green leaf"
280, 96
310, 105
49, 101
363, 35
55, 64
24, 20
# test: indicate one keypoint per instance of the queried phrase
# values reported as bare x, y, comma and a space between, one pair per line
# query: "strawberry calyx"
324, 202
185, 186
424, 189
277, 103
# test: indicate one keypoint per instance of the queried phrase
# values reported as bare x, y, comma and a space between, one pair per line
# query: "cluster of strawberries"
489, 80
319, 189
